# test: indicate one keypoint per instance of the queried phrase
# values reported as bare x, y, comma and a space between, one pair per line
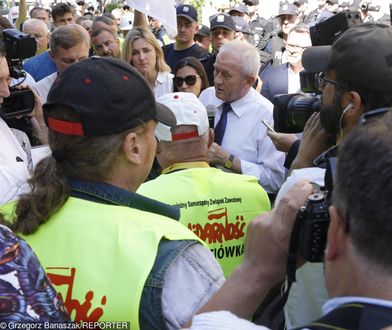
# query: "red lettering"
219, 232
81, 309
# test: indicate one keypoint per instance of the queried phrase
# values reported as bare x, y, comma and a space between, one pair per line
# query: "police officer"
222, 30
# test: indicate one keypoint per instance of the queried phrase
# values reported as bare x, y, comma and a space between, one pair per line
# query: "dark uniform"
261, 29
208, 61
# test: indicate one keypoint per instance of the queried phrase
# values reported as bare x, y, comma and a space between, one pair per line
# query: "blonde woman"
141, 49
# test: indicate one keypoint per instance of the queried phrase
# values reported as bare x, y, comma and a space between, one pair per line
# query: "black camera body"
18, 46
314, 222
292, 111
368, 7
326, 32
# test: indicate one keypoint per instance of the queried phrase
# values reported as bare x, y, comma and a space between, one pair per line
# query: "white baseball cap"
188, 110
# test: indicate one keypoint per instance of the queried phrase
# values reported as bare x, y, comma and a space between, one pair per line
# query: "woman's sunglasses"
190, 80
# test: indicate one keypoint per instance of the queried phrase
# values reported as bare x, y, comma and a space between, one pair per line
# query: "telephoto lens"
292, 111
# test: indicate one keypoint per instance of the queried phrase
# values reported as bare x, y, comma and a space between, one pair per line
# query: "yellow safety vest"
99, 256
215, 205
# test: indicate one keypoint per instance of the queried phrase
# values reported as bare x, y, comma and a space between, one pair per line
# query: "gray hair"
246, 54
34, 22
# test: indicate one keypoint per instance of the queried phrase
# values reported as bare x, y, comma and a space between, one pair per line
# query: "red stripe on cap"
65, 127
184, 136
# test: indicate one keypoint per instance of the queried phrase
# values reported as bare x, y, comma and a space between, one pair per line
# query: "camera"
368, 7
292, 111
18, 46
326, 32
313, 218
314, 222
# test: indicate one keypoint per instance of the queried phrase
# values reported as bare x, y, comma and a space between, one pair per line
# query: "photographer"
21, 109
14, 159
352, 85
358, 258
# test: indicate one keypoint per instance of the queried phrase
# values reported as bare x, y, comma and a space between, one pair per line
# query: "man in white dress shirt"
241, 143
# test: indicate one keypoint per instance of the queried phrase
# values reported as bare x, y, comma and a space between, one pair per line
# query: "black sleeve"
292, 154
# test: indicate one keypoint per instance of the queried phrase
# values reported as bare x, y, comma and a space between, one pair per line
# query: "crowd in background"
110, 84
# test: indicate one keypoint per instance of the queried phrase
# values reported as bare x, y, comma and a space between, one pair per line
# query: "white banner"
162, 10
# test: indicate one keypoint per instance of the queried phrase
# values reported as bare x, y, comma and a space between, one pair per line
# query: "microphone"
211, 110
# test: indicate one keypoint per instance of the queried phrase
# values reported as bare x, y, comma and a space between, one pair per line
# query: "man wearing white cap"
189, 182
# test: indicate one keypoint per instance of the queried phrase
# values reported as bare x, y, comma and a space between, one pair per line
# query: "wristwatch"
229, 163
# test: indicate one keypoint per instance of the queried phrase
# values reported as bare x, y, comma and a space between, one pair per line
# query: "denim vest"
151, 314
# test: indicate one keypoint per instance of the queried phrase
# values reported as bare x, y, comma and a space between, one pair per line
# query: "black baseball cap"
287, 8
362, 55
204, 31
222, 20
187, 11
239, 7
299, 2
109, 96
241, 25
251, 2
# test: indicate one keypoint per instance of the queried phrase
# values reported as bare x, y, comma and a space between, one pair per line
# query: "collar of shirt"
105, 193
184, 166
238, 105
163, 77
160, 78
333, 303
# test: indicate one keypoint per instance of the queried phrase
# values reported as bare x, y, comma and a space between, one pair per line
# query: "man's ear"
159, 148
355, 111
132, 148
336, 237
250, 80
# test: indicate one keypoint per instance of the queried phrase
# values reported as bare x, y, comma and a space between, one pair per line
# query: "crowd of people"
162, 199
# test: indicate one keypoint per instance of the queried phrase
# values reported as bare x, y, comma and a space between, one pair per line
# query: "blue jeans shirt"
150, 309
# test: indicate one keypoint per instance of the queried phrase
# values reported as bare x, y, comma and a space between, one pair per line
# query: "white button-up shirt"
246, 137
163, 84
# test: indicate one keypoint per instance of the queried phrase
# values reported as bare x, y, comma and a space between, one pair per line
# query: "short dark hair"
103, 19
370, 99
61, 9
99, 31
363, 189
3, 52
38, 8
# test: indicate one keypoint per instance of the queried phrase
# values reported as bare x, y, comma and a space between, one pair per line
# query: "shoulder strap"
354, 316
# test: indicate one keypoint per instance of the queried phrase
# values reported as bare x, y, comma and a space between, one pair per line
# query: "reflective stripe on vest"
215, 205
99, 256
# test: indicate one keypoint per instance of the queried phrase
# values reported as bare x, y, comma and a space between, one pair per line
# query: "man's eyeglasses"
372, 113
295, 48
321, 81
190, 80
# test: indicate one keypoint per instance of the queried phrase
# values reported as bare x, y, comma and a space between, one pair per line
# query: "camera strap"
291, 267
